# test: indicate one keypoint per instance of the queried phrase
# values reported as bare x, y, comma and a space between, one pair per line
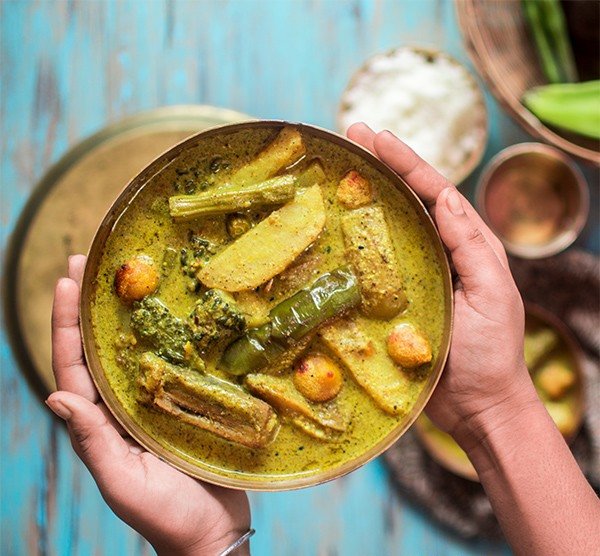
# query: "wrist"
498, 415
213, 545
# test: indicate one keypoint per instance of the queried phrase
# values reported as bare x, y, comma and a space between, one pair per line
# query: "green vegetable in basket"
546, 21
573, 107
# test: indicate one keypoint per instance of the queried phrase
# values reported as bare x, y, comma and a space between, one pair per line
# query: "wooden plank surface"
70, 67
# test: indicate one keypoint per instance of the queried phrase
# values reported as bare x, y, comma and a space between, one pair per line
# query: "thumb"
478, 267
94, 438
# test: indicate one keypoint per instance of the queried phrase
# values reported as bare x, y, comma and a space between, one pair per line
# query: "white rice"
434, 106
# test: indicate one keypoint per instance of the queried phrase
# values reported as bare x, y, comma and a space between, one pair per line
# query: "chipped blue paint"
68, 68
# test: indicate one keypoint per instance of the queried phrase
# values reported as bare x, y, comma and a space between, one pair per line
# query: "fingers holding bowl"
422, 178
481, 272
362, 134
76, 267
94, 437
68, 363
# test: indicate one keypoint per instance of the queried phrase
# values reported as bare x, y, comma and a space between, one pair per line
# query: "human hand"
485, 380
178, 515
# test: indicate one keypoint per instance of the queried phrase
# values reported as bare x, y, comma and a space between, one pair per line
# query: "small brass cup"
534, 198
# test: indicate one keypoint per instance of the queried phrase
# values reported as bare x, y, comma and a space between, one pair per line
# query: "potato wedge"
268, 248
320, 420
283, 151
369, 364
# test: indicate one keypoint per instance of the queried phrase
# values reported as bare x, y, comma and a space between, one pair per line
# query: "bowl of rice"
426, 98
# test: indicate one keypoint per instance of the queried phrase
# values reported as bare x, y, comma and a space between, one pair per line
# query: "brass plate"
65, 209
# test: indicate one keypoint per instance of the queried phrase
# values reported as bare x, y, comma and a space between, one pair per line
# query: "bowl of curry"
266, 306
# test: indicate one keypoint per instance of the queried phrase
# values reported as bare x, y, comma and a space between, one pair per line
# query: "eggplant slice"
208, 403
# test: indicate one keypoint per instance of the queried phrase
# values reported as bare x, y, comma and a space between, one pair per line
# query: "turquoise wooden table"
68, 69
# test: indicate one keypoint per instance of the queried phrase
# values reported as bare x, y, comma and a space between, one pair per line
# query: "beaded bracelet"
244, 538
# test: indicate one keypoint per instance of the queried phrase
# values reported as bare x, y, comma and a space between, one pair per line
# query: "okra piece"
233, 198
370, 250
369, 364
208, 403
292, 320
320, 420
282, 152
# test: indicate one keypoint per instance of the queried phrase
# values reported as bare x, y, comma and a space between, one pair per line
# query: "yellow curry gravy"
145, 227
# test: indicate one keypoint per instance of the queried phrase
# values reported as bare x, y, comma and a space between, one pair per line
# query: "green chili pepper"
292, 320
570, 106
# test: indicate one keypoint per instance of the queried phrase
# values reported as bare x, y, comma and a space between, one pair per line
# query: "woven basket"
498, 41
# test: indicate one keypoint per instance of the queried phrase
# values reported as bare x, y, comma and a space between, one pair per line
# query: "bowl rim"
565, 238
243, 481
469, 164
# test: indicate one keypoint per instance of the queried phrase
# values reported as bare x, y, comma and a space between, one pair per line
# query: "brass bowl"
553, 179
150, 443
498, 41
464, 170
445, 451
536, 314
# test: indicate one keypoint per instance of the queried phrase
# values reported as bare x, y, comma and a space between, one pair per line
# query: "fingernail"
137, 450
454, 203
59, 408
